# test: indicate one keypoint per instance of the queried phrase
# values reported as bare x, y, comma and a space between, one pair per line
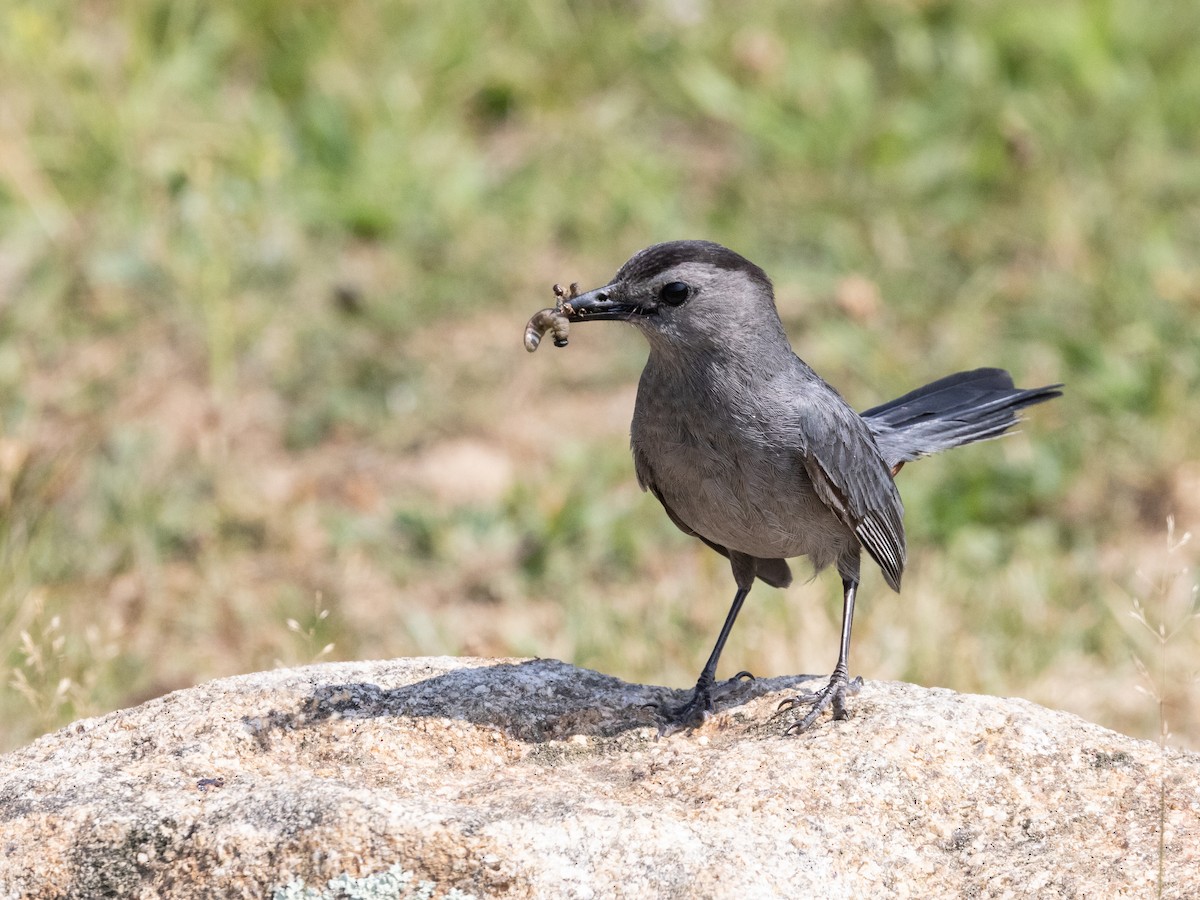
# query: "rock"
532, 778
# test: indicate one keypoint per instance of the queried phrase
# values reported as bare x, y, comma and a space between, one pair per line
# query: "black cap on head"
647, 263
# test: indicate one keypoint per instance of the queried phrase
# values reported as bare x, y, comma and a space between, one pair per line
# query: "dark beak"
600, 304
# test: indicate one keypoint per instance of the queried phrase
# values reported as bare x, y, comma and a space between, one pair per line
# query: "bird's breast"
732, 476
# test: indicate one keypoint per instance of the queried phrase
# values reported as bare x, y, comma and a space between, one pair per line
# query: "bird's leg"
699, 705
834, 693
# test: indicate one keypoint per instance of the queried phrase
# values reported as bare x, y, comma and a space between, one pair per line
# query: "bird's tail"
952, 411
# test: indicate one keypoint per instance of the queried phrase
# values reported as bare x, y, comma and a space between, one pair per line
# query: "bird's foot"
699, 705
833, 694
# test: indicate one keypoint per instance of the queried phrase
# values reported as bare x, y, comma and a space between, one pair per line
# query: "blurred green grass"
263, 267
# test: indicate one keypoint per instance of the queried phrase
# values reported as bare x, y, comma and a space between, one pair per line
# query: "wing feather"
851, 478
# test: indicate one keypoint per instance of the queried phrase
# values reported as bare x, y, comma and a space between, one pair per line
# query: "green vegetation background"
264, 268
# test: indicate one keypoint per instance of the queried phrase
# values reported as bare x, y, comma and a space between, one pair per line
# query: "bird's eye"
674, 293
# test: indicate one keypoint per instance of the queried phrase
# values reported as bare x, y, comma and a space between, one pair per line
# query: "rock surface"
532, 778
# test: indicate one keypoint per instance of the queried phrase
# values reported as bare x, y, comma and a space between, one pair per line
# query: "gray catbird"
750, 451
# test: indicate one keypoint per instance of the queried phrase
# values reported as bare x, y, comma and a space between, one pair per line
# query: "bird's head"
693, 295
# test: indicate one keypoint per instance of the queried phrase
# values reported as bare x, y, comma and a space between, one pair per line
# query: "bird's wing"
774, 572
851, 478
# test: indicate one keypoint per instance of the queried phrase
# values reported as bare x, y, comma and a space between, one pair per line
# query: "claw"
833, 694
732, 687
691, 714
793, 702
698, 707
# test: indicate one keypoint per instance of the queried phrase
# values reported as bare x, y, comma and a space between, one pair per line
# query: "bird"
752, 452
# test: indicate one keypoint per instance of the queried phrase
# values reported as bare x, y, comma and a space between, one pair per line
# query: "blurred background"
265, 266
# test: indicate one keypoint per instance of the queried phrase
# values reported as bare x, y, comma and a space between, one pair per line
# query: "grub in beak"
552, 319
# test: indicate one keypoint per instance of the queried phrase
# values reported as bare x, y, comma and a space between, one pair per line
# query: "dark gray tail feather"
952, 411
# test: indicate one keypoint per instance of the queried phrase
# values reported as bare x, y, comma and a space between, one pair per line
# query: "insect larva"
551, 319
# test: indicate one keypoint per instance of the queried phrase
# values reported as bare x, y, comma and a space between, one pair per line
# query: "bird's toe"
834, 695
685, 716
